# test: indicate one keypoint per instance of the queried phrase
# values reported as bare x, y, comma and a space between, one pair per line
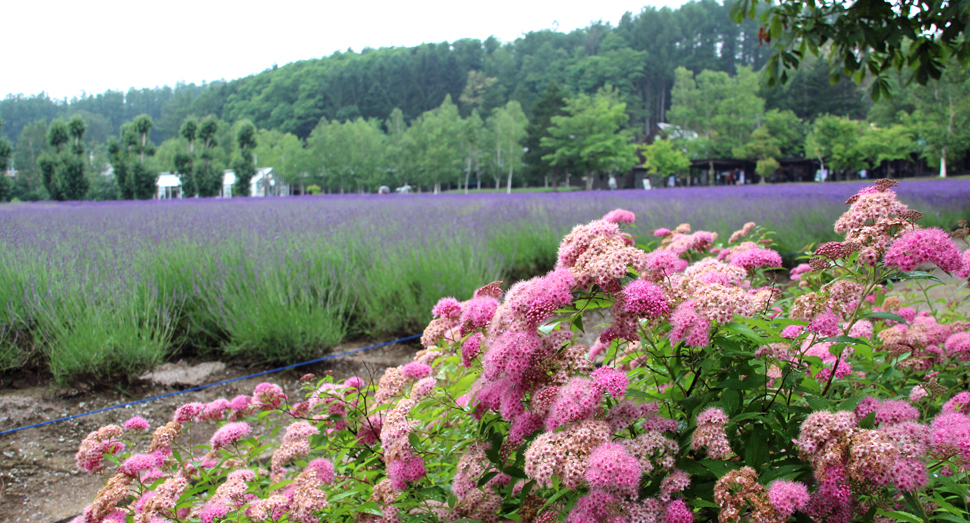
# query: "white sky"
69, 47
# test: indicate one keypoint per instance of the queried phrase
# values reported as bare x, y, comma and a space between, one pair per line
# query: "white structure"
264, 183
169, 187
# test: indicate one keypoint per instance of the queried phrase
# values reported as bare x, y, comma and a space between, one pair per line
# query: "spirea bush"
711, 392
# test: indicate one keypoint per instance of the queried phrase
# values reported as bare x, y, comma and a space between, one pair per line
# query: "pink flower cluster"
924, 246
710, 434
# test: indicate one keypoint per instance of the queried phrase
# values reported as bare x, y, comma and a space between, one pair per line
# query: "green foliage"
63, 172
663, 157
505, 130
721, 109
245, 166
550, 104
6, 151
208, 177
834, 140
592, 136
865, 39
136, 179
435, 142
696, 398
313, 189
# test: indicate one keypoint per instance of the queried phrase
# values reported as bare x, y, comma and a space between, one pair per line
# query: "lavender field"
102, 290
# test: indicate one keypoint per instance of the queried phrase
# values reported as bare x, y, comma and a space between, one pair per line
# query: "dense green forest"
470, 96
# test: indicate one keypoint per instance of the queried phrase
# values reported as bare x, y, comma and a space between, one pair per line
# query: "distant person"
730, 178
646, 184
672, 181
863, 174
741, 178
612, 182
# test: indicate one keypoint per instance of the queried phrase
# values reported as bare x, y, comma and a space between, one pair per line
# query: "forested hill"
638, 57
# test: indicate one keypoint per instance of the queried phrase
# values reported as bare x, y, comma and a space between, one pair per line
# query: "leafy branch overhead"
864, 38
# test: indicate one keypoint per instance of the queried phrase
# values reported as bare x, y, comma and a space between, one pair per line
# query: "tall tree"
833, 140
6, 151
942, 117
436, 139
31, 146
507, 129
135, 177
665, 158
551, 104
184, 162
245, 165
208, 178
592, 135
63, 172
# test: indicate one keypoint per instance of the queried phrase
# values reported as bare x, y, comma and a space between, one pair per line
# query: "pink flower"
470, 349
370, 429
611, 380
447, 308
612, 469
825, 324
354, 382
756, 257
240, 403
663, 263
710, 433
229, 433
188, 412
137, 423
477, 313
678, 512
595, 507
788, 496
645, 300
921, 246
958, 403
965, 271
689, 326
578, 399
406, 471
619, 216
802, 268
662, 232
268, 396
323, 468
215, 409
416, 371
792, 331
958, 346
138, 463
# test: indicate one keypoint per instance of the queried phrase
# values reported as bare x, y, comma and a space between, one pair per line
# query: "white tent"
169, 187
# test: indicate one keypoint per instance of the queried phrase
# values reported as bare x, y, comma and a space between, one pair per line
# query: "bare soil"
39, 481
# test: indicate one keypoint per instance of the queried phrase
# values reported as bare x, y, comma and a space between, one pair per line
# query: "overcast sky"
69, 47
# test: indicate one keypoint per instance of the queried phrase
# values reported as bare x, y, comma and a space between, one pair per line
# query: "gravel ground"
38, 479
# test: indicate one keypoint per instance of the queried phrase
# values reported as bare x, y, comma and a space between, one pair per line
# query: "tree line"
436, 114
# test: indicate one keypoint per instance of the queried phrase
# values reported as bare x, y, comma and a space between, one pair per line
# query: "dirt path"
39, 481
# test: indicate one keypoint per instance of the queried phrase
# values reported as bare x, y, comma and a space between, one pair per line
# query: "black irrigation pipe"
202, 387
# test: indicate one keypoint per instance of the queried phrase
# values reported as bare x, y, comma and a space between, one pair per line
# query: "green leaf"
487, 477
921, 275
818, 403
745, 331
549, 327
867, 422
899, 516
884, 315
756, 448
277, 486
371, 508
847, 340
414, 440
